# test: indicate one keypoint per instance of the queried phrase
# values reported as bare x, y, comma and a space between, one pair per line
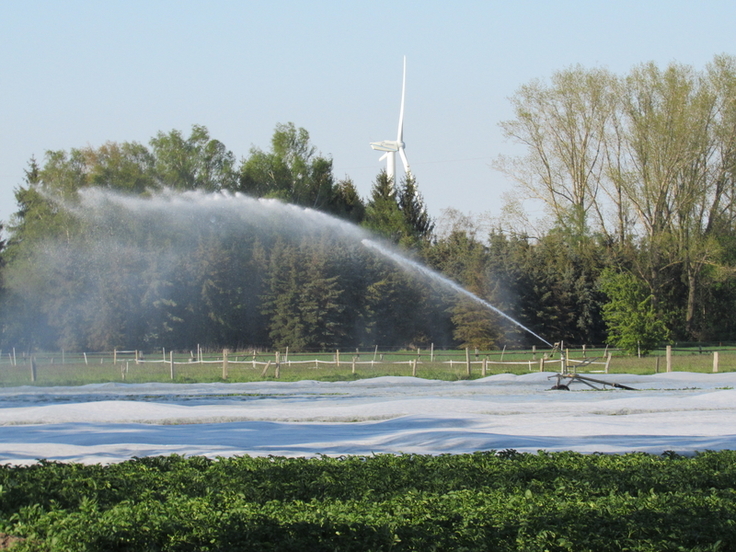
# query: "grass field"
242, 366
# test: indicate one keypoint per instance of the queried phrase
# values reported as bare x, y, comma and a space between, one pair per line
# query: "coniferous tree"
280, 304
302, 302
382, 214
462, 258
36, 219
418, 223
474, 326
395, 310
346, 202
322, 307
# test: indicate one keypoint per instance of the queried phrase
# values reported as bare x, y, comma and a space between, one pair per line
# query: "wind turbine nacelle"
386, 145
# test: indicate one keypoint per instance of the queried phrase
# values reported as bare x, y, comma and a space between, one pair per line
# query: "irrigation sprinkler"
559, 386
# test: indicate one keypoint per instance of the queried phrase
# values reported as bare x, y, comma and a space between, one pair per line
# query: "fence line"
19, 368
11, 356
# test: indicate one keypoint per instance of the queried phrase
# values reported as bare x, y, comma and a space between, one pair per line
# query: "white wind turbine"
391, 147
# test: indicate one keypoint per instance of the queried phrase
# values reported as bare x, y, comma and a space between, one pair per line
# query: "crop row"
482, 501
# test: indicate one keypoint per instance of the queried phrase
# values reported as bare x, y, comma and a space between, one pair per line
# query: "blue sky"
76, 72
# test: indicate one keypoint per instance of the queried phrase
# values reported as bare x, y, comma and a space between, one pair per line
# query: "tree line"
641, 166
86, 272
636, 173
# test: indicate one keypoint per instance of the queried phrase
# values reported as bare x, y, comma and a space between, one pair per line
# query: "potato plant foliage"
499, 501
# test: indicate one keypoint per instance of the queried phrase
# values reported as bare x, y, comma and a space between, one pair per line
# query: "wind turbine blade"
400, 138
407, 170
391, 166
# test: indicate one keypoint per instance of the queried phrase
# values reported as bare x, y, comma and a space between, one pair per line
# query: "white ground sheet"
682, 412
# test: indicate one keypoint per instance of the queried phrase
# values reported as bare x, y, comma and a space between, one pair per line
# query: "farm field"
503, 501
102, 423
385, 463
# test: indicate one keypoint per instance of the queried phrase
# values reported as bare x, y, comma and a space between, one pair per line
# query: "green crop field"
503, 501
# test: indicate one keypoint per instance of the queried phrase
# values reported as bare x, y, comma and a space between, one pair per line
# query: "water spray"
179, 220
408, 263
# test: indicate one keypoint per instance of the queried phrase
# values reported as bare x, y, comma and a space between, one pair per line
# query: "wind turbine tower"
392, 147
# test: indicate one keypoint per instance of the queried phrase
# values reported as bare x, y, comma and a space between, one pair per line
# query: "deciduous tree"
563, 125
293, 172
194, 163
632, 322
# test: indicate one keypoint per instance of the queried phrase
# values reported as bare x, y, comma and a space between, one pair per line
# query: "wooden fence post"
541, 362
337, 357
608, 362
485, 367
353, 364
33, 369
534, 352
431, 352
277, 371
171, 363
414, 368
268, 365
715, 361
467, 359
225, 366
669, 358
114, 356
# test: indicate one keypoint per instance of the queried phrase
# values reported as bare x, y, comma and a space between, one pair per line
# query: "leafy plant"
632, 322
483, 501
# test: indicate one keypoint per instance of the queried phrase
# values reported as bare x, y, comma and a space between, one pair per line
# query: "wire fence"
199, 365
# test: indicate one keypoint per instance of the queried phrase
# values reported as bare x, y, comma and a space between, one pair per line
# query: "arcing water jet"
431, 274
139, 264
